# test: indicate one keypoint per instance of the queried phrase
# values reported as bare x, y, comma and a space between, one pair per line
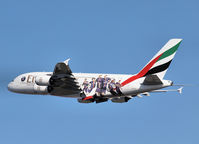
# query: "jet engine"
120, 99
85, 101
43, 80
40, 89
55, 80
97, 100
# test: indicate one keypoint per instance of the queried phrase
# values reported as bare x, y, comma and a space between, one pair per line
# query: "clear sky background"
105, 36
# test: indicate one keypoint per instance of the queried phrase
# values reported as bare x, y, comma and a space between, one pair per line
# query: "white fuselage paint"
29, 86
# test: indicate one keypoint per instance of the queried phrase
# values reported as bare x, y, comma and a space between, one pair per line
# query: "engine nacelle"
85, 101
40, 89
120, 100
43, 80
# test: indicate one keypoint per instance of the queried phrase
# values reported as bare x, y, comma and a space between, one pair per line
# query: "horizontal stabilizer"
177, 90
152, 80
180, 90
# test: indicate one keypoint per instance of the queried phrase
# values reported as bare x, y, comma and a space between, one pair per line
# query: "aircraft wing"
62, 81
62, 68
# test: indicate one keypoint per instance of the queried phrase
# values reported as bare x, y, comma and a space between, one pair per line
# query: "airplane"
98, 88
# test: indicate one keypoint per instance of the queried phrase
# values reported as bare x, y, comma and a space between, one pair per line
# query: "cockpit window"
23, 79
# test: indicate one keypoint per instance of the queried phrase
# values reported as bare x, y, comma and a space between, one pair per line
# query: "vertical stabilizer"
159, 64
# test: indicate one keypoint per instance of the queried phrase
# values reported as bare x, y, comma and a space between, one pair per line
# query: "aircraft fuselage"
28, 84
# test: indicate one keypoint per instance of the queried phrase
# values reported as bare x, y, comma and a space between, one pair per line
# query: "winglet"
66, 61
180, 90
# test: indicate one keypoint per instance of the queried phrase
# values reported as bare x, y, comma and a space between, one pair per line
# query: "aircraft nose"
11, 86
20, 88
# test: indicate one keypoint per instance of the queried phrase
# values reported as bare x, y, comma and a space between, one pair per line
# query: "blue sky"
106, 36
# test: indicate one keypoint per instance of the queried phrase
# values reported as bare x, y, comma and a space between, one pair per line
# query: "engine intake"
120, 100
80, 100
40, 89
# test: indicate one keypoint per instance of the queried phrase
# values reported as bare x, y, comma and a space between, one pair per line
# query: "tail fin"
160, 62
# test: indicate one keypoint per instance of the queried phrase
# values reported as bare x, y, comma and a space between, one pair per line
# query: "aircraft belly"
69, 96
148, 88
140, 89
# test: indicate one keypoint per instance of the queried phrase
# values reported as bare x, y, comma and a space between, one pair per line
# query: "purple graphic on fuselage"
101, 85
92, 85
85, 85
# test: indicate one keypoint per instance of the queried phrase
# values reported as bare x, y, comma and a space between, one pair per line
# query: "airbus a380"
89, 88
